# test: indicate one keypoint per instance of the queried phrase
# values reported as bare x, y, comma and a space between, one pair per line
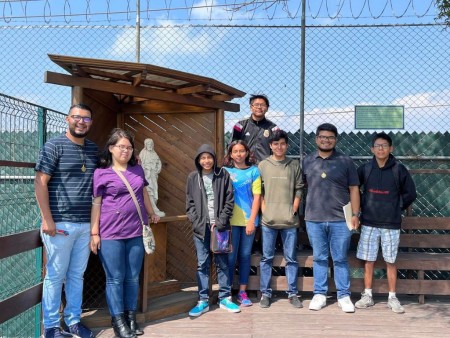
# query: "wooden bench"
424, 246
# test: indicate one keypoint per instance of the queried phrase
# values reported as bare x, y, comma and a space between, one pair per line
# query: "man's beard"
325, 150
74, 134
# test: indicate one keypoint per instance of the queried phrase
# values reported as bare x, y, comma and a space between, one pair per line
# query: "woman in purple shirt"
116, 229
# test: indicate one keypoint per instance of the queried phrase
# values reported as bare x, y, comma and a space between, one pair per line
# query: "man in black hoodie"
387, 190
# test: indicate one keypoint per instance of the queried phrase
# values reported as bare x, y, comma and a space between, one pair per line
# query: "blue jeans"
203, 263
326, 237
242, 248
289, 238
122, 262
67, 258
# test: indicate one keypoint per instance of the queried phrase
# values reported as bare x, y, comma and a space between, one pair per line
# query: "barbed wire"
19, 11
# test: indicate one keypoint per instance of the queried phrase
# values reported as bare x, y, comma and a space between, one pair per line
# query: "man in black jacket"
387, 190
256, 129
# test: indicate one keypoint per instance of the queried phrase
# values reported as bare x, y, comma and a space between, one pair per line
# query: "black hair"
383, 136
105, 158
327, 127
81, 106
253, 97
229, 162
278, 135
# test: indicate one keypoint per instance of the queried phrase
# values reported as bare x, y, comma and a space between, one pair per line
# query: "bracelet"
96, 203
357, 215
94, 234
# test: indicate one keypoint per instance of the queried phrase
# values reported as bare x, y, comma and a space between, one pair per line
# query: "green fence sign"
379, 117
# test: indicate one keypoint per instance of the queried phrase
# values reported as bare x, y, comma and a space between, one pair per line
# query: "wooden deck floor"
282, 320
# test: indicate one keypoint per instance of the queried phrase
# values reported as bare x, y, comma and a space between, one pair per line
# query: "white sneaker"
346, 304
365, 301
394, 305
318, 302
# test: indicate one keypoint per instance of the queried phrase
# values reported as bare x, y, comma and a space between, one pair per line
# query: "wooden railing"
12, 245
412, 260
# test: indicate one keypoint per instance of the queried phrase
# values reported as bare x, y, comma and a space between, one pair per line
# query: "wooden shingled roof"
143, 87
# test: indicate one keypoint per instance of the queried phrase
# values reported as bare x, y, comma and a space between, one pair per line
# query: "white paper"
348, 215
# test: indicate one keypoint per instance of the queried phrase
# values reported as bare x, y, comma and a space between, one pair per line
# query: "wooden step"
170, 305
159, 289
158, 308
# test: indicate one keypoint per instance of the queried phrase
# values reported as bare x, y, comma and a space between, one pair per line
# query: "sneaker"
79, 330
201, 308
365, 301
318, 302
295, 302
346, 304
56, 332
395, 306
264, 302
243, 299
228, 305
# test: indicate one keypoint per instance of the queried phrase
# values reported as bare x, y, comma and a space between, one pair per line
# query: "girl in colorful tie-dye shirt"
247, 200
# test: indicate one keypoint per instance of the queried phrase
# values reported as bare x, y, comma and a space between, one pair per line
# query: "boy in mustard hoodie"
282, 191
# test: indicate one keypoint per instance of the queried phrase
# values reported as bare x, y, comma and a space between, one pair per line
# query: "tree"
443, 7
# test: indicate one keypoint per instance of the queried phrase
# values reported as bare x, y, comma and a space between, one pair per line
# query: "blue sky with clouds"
345, 66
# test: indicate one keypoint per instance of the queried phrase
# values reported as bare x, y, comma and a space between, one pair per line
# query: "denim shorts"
369, 243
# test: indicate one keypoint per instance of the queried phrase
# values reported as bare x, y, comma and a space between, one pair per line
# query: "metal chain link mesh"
345, 66
21, 135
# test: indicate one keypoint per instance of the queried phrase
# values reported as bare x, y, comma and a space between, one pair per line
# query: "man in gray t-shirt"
332, 182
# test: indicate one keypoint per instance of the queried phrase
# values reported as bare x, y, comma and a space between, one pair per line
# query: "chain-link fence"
346, 66
22, 134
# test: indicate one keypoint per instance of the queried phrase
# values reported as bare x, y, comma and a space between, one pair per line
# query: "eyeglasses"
78, 118
123, 148
258, 105
381, 146
328, 138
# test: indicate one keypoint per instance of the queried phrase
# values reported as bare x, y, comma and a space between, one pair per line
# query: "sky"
392, 61
216, 11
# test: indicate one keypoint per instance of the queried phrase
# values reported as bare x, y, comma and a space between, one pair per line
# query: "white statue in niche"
152, 167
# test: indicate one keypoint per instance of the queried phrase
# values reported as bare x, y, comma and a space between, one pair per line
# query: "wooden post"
155, 265
77, 95
421, 277
220, 140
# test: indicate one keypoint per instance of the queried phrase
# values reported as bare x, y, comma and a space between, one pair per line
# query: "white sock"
368, 292
391, 294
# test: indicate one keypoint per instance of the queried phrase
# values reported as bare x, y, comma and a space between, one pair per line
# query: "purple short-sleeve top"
119, 218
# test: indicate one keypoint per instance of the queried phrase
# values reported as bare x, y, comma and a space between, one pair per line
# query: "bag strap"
133, 196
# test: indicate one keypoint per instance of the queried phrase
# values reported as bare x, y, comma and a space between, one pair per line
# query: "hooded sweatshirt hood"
205, 148
196, 201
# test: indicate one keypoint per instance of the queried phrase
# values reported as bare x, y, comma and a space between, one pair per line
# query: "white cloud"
169, 39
